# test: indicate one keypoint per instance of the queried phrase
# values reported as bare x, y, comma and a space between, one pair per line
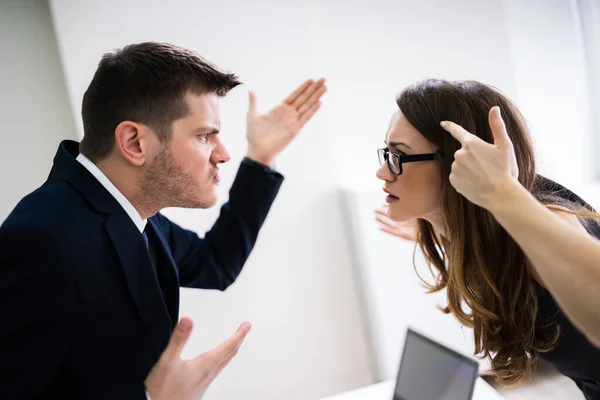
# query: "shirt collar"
108, 185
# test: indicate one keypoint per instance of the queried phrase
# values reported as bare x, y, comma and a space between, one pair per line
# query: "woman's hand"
482, 172
406, 230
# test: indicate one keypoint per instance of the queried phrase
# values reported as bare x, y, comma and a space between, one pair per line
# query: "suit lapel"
141, 279
167, 270
129, 245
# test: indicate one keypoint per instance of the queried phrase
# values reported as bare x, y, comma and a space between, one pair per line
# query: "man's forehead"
204, 109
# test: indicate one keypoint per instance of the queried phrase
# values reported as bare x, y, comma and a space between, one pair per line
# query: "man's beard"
168, 185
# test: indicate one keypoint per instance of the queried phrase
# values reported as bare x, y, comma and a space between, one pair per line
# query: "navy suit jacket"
84, 315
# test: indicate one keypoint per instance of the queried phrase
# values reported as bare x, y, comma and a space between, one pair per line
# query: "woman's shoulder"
548, 191
566, 204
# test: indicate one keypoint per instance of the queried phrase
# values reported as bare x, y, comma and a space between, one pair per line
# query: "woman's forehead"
401, 130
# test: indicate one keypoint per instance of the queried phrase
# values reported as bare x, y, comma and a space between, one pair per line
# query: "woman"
491, 284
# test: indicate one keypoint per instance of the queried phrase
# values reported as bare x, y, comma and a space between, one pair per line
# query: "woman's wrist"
509, 199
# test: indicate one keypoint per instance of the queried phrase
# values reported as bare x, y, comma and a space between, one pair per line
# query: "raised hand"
483, 172
268, 134
175, 379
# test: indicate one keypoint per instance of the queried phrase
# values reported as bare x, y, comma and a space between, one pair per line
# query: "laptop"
431, 371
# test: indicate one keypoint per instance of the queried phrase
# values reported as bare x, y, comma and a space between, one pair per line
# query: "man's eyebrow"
398, 144
209, 129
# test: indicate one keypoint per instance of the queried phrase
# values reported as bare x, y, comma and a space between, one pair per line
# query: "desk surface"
384, 391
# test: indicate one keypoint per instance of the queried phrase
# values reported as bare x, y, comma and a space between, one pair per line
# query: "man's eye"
203, 137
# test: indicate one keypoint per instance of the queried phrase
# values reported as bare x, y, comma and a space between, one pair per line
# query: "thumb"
252, 102
501, 139
180, 336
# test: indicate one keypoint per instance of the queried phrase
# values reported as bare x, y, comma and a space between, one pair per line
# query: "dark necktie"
167, 281
151, 251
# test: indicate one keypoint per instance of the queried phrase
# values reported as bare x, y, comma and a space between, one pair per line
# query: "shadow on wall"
38, 115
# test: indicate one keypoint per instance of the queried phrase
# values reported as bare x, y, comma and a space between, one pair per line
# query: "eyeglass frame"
383, 155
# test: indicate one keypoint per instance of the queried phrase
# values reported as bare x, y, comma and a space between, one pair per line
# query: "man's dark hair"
145, 83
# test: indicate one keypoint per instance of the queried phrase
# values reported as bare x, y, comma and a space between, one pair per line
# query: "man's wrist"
259, 163
259, 158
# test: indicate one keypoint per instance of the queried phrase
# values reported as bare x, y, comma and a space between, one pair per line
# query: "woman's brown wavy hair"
489, 287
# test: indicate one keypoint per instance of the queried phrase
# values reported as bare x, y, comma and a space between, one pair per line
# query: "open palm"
270, 133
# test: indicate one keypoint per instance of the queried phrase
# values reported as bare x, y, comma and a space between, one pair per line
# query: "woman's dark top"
574, 356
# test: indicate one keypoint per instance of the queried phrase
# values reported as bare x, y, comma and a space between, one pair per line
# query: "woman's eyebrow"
398, 144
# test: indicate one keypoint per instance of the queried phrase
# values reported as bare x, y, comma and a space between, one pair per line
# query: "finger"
303, 119
312, 100
381, 211
232, 344
180, 336
501, 138
383, 219
292, 97
458, 132
252, 103
401, 233
456, 176
305, 95
454, 181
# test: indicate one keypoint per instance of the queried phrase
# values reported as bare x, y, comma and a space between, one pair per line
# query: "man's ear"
133, 142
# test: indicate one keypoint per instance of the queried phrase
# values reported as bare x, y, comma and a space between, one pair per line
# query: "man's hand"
406, 230
482, 172
270, 133
175, 379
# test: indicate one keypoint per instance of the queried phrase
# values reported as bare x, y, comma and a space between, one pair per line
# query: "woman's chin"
398, 216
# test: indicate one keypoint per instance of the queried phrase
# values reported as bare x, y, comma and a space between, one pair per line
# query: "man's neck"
127, 182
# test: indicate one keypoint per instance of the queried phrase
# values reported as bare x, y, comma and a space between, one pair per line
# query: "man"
90, 270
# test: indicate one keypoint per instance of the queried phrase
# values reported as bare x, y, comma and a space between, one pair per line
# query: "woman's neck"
437, 221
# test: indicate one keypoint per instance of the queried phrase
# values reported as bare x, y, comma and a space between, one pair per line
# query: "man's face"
185, 171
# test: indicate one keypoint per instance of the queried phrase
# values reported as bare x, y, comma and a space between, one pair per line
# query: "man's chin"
202, 203
207, 202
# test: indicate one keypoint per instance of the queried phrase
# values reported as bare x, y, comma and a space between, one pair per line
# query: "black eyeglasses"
395, 160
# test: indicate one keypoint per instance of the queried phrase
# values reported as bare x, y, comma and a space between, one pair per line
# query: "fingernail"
185, 325
443, 123
497, 111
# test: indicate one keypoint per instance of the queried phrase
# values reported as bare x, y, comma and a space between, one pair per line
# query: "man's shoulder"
52, 207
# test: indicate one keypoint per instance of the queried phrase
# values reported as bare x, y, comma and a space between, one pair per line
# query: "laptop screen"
430, 371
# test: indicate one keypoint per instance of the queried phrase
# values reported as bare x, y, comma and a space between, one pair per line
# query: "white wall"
589, 18
34, 111
550, 71
298, 288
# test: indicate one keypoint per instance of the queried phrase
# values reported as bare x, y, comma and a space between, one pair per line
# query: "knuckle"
460, 155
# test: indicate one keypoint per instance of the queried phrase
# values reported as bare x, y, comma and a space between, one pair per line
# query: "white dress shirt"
122, 200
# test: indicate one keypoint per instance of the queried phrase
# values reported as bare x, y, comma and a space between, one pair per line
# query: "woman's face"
416, 193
